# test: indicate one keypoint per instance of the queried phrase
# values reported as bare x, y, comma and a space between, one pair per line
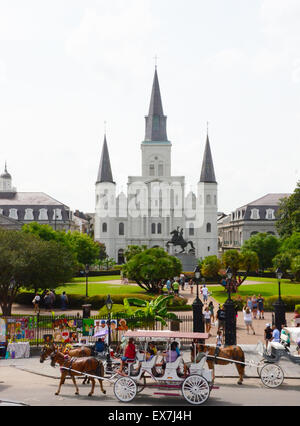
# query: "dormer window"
270, 214
28, 214
43, 215
254, 214
13, 213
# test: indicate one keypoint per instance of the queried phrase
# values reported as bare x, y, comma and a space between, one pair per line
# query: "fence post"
37, 327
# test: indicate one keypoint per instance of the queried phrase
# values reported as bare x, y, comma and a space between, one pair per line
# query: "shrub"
297, 308
290, 302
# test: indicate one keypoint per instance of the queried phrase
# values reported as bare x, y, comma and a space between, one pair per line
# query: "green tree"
291, 243
232, 259
151, 266
266, 247
28, 262
283, 261
133, 250
246, 261
85, 248
288, 214
295, 267
210, 267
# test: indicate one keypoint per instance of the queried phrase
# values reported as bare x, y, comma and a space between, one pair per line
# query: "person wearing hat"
268, 334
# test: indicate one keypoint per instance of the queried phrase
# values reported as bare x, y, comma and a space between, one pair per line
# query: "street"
31, 388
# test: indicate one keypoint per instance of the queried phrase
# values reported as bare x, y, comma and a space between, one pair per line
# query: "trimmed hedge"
290, 302
77, 300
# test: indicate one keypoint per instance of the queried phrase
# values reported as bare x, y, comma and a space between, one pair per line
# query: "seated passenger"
174, 353
129, 355
151, 351
99, 346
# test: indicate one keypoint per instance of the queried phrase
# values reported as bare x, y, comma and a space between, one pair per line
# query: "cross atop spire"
208, 171
156, 121
105, 173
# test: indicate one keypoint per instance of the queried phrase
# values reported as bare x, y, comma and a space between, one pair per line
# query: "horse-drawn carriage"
192, 379
270, 372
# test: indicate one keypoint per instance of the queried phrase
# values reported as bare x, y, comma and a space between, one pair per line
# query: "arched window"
153, 228
121, 259
208, 227
151, 170
159, 228
121, 229
104, 227
208, 199
191, 230
160, 169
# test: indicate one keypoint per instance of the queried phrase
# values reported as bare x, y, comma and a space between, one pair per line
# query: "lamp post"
230, 315
87, 270
198, 324
279, 306
109, 304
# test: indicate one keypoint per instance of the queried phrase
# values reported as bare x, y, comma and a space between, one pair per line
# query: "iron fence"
39, 329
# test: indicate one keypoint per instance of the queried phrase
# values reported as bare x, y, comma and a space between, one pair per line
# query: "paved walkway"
242, 336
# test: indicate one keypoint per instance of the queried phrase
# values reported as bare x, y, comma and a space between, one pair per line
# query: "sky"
69, 66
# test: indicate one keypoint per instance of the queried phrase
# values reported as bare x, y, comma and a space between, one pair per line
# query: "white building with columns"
156, 203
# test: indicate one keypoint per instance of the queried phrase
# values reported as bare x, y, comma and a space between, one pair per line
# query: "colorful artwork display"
2, 330
88, 327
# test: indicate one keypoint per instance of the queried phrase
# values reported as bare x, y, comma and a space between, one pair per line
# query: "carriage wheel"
141, 385
260, 366
125, 389
195, 389
272, 375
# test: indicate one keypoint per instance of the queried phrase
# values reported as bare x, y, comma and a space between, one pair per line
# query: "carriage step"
216, 387
166, 394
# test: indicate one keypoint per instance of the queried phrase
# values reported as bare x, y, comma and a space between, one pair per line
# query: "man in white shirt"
205, 293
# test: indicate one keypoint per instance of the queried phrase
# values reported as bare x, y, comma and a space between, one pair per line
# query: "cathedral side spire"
208, 171
105, 173
156, 121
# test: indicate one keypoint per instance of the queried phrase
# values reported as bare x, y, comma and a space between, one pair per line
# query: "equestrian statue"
178, 240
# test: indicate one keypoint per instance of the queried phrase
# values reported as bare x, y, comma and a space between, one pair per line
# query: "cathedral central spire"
156, 121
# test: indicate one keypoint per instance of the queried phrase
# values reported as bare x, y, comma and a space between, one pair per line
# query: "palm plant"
149, 312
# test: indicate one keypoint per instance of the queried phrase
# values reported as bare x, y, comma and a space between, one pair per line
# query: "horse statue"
178, 240
232, 353
87, 365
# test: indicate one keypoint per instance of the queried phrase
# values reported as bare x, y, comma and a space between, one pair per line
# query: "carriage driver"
129, 355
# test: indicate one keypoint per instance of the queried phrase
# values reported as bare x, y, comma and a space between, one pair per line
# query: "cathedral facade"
156, 207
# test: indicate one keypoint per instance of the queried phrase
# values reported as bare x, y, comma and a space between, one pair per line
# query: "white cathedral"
156, 203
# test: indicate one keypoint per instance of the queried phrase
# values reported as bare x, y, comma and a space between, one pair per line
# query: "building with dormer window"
256, 217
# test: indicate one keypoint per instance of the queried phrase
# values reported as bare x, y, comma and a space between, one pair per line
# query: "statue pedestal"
189, 261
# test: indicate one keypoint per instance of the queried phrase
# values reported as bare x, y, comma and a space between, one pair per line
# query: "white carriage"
271, 374
192, 379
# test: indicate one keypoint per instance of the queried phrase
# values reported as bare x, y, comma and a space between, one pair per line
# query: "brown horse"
88, 365
234, 353
77, 353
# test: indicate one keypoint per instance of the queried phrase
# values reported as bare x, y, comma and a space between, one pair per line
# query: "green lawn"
266, 289
95, 289
267, 280
96, 279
